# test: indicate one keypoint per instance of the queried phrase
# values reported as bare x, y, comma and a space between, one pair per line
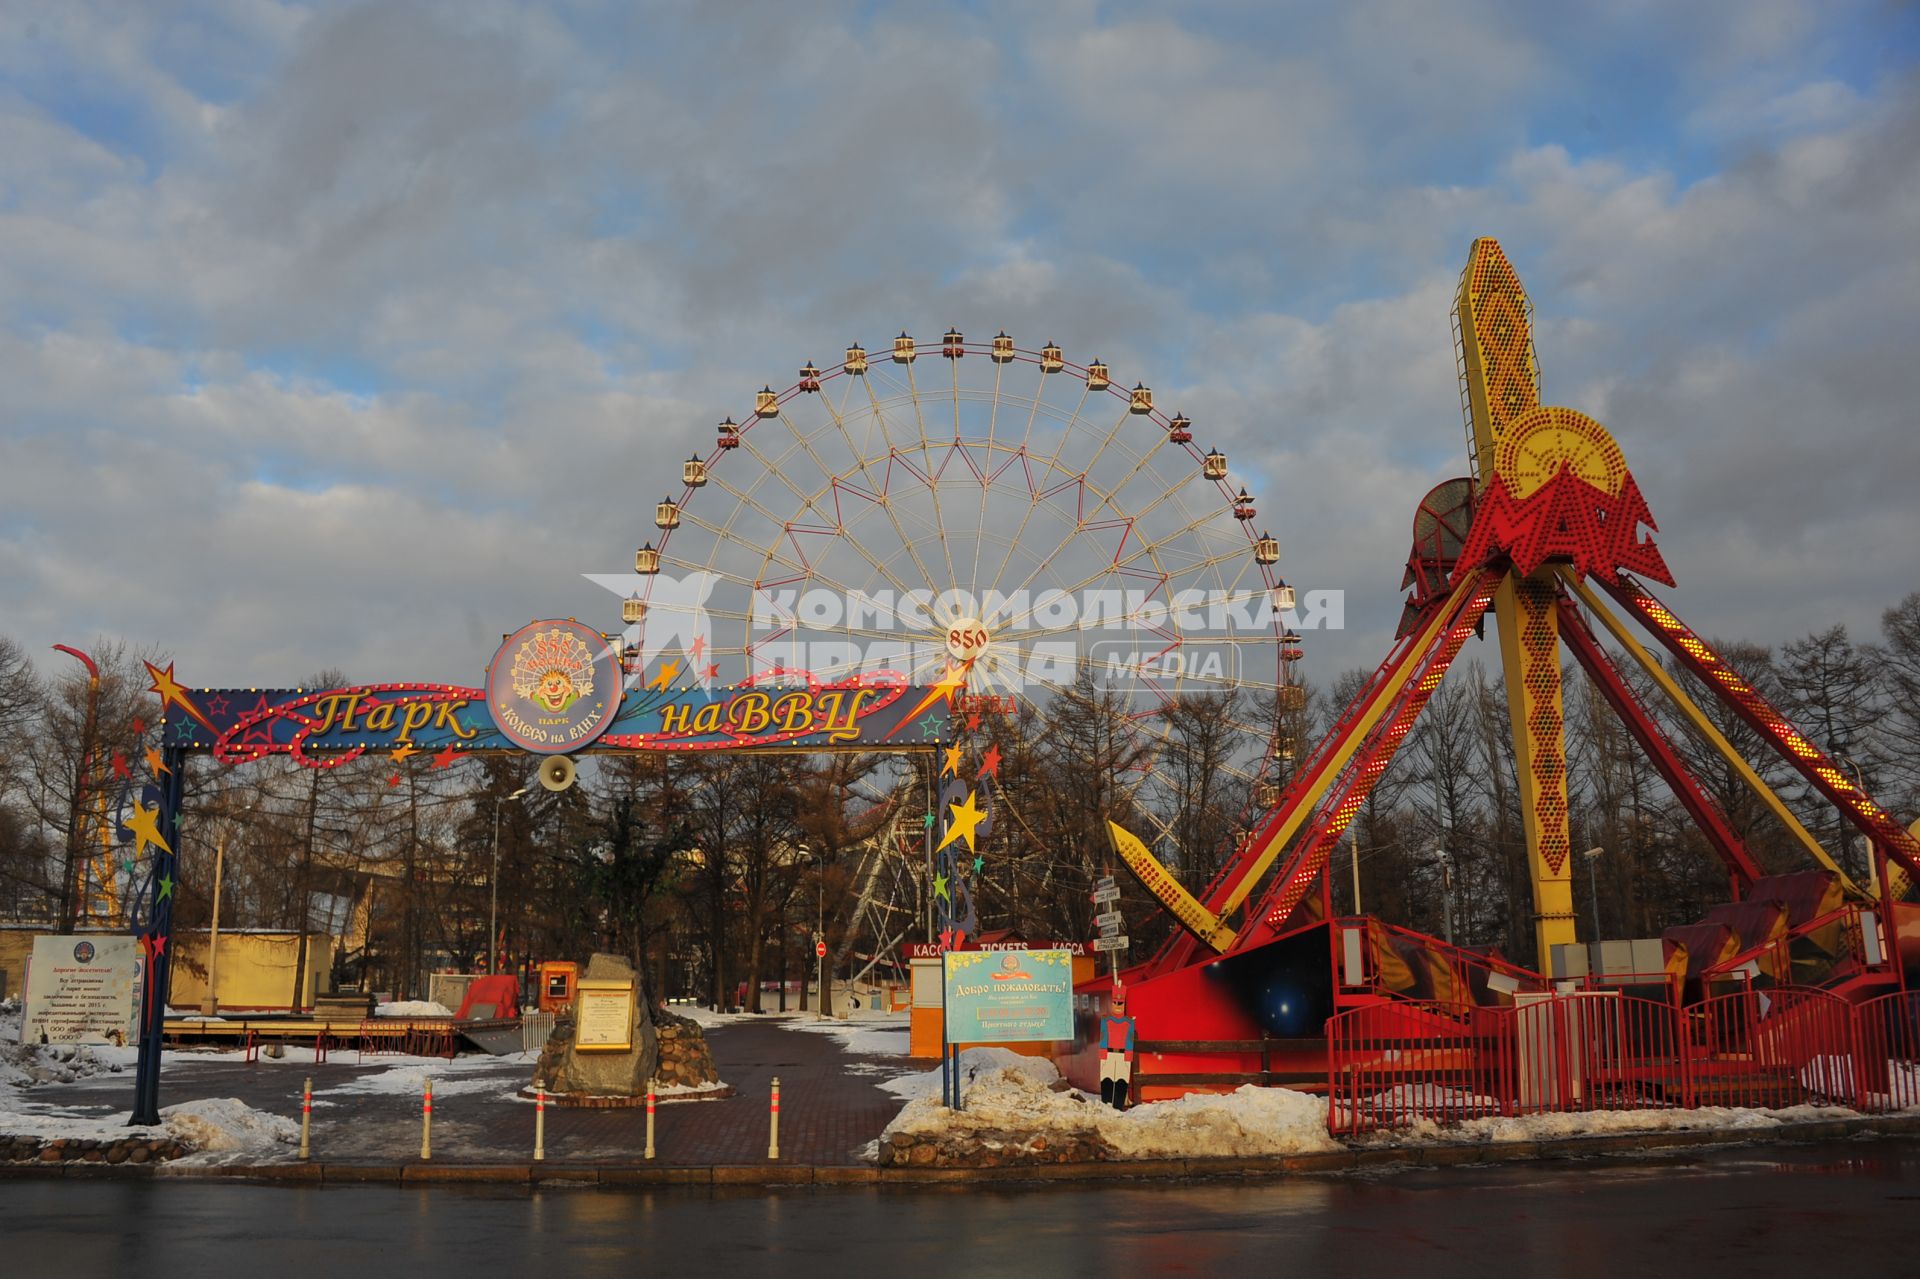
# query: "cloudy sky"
352, 335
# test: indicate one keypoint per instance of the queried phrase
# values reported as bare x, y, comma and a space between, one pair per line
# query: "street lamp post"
1593, 889
210, 1002
824, 1006
493, 886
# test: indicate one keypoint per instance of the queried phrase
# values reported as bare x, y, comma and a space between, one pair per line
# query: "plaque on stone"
604, 1015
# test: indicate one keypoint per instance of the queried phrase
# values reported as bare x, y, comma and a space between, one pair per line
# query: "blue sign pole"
155, 935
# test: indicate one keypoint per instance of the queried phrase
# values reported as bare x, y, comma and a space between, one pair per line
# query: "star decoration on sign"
182, 730
990, 763
446, 758
120, 768
145, 825
951, 763
973, 722
940, 887
966, 817
166, 887
399, 753
664, 680
217, 705
156, 762
394, 780
173, 693
978, 862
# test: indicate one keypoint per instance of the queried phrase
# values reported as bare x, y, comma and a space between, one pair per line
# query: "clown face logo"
554, 686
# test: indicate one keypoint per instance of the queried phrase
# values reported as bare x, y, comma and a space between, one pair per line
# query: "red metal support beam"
1645, 730
1349, 791
1812, 763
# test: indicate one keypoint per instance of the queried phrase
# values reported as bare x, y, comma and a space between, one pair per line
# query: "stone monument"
608, 1047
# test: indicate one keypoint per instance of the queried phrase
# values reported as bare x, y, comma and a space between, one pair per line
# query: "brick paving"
368, 1110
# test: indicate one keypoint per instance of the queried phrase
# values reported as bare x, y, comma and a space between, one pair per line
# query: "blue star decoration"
978, 862
930, 730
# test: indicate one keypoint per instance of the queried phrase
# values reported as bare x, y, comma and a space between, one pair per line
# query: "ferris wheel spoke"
778, 472
838, 414
886, 434
933, 473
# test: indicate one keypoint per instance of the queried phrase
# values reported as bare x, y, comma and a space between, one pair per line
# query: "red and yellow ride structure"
1547, 530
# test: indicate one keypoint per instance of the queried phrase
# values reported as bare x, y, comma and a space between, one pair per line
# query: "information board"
1009, 996
83, 990
603, 1016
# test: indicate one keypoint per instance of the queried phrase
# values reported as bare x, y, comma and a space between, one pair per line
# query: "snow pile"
226, 1126
413, 1008
1594, 1123
974, 1062
1007, 1096
1247, 1122
23, 1065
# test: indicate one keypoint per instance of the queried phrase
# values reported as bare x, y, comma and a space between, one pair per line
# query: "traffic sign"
820, 949
1109, 920
1111, 943
1109, 893
1105, 881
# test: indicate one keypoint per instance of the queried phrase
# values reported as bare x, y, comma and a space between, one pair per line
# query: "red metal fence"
1398, 1063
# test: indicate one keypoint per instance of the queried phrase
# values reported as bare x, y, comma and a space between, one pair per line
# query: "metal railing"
1398, 1063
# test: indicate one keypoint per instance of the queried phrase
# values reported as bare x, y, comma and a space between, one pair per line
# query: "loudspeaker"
557, 772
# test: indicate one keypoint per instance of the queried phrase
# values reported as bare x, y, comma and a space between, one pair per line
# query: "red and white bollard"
539, 1122
306, 1115
426, 1123
649, 1119
773, 1131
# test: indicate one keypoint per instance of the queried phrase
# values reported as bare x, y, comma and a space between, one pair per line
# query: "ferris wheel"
985, 513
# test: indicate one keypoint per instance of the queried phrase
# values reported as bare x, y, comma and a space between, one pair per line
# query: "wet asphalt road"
1836, 1209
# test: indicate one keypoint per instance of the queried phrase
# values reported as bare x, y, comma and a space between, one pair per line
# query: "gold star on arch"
966, 817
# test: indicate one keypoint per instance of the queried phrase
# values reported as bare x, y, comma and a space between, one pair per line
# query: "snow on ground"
872, 1035
407, 1076
1592, 1123
413, 1008
1005, 1093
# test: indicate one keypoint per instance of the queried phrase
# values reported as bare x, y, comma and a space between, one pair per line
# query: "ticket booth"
926, 1027
558, 980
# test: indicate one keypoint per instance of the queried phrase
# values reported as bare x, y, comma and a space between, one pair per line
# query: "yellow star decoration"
173, 693
942, 690
400, 752
664, 680
952, 762
145, 825
965, 817
156, 762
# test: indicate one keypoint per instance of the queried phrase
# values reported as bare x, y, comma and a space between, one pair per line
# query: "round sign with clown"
554, 686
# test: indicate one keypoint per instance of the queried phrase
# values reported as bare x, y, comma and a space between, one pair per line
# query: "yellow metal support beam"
1705, 727
1527, 612
1340, 754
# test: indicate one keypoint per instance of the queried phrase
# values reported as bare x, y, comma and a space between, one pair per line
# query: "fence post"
539, 1123
306, 1116
1683, 1054
773, 1122
650, 1119
426, 1123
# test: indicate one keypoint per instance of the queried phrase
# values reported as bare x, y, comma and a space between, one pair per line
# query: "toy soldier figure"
1116, 1052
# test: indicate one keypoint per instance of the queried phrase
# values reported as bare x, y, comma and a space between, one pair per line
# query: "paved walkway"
368, 1110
